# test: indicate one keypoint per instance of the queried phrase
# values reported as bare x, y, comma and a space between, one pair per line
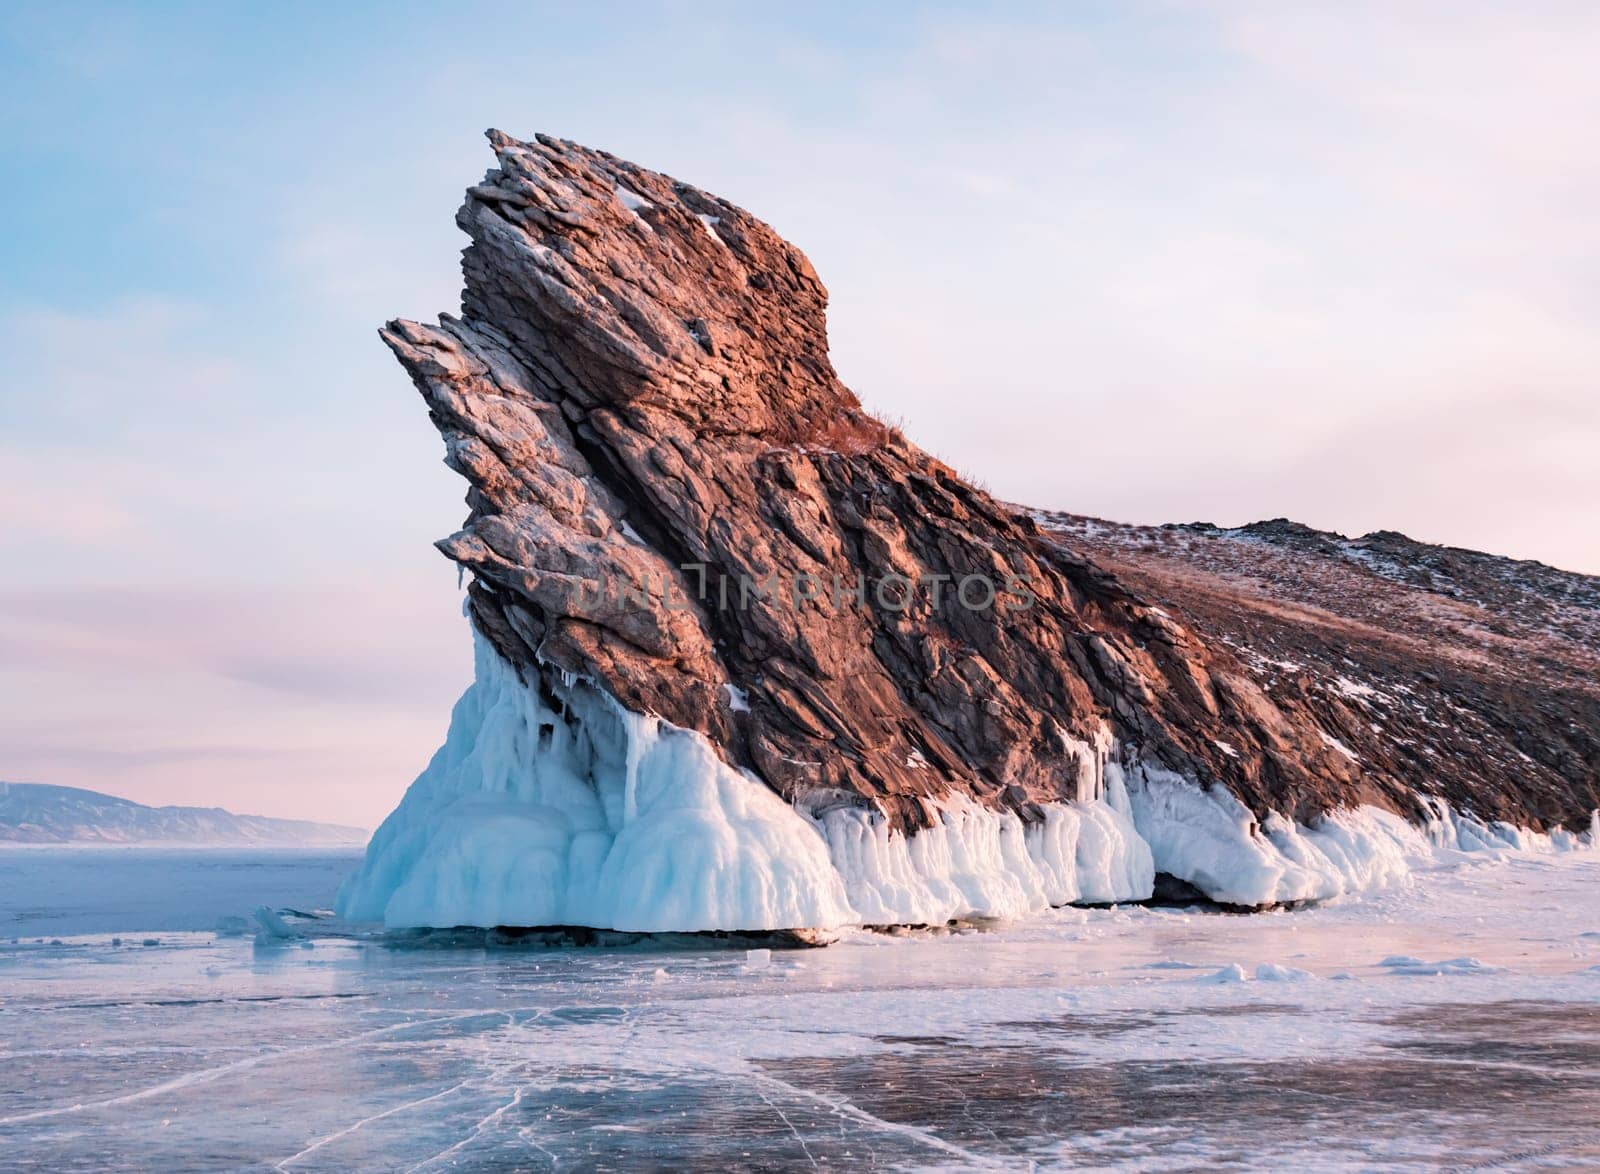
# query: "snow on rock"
630, 199
1337, 746
710, 224
40, 813
1357, 691
611, 820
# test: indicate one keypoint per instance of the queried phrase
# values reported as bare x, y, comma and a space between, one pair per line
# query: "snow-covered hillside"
34, 813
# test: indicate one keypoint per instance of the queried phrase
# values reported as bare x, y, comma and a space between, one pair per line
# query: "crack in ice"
207, 1075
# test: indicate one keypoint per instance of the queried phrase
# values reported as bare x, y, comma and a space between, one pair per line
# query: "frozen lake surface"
49, 891
1452, 1022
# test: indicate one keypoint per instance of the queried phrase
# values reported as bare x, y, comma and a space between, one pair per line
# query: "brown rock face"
673, 495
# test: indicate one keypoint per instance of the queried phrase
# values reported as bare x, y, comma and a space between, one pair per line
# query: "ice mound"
1266, 972
1407, 966
1273, 972
612, 820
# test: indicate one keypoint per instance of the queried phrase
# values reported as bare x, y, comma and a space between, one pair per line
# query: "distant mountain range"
36, 813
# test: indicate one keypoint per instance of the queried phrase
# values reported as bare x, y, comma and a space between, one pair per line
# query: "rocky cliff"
676, 507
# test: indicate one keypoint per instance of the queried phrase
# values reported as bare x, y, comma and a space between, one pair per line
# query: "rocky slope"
677, 508
1440, 670
35, 813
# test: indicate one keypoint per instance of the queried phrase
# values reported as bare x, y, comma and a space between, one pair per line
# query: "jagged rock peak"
661, 292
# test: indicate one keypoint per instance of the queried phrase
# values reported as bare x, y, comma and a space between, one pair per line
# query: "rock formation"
676, 508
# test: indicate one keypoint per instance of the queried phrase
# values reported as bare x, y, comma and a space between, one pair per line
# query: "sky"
1149, 261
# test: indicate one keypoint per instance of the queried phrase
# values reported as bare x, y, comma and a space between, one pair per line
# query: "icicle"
643, 730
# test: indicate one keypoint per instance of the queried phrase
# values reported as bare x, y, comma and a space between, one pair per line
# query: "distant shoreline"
331, 848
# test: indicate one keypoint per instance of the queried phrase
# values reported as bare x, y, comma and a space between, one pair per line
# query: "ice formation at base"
977, 862
562, 808
620, 821
611, 820
1208, 838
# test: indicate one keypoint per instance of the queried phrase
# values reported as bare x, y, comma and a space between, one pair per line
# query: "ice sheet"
1453, 1019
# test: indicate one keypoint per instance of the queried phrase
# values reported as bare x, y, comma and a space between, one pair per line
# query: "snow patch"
709, 223
631, 200
1356, 691
1334, 744
1266, 972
